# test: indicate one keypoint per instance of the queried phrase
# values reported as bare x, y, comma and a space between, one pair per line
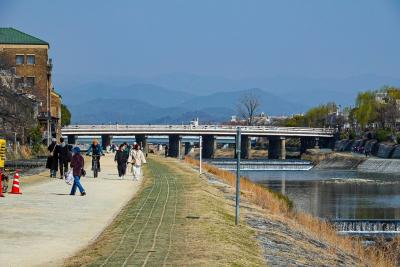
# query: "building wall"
41, 71
55, 112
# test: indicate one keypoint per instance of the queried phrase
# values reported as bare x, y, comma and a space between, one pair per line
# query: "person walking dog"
138, 160
121, 158
77, 165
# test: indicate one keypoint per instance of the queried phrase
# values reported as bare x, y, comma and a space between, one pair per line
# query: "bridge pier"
308, 143
282, 154
141, 139
105, 140
245, 147
72, 139
209, 146
188, 147
174, 146
277, 147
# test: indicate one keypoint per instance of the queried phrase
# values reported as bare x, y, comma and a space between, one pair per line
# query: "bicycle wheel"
95, 170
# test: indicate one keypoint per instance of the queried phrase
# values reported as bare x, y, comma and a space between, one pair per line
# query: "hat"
77, 150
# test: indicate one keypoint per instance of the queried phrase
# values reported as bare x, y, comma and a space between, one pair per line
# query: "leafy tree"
35, 137
320, 116
366, 111
65, 116
295, 121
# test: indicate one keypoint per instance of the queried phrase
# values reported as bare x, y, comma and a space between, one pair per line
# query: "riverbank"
281, 233
325, 160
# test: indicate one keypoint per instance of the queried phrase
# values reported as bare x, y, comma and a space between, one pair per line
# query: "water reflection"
337, 194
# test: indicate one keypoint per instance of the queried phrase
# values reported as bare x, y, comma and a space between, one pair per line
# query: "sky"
227, 38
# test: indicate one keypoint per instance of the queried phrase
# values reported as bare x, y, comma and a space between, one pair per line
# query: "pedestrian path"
45, 225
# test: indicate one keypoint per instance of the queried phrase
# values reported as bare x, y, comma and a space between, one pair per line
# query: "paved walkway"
45, 225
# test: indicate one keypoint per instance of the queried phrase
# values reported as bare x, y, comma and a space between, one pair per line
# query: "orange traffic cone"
15, 186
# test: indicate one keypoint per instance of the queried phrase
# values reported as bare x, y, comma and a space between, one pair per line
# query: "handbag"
83, 172
69, 177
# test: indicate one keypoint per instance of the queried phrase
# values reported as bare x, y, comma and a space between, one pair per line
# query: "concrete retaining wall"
391, 166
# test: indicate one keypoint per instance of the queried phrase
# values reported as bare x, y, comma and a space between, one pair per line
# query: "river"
336, 194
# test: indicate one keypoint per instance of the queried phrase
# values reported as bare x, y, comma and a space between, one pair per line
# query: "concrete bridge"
309, 137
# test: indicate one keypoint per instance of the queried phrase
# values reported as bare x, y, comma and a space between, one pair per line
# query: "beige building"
33, 67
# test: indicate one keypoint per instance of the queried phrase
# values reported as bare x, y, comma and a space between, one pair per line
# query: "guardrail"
189, 128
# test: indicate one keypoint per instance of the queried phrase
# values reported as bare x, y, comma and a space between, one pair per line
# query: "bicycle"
95, 165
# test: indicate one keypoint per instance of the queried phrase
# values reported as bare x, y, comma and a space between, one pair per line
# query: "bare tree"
247, 107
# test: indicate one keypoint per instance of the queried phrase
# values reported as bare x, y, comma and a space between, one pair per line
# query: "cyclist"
96, 150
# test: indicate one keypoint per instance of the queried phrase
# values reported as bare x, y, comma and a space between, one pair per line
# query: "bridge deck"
224, 130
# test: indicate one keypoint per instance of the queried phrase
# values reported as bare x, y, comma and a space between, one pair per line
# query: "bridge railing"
199, 127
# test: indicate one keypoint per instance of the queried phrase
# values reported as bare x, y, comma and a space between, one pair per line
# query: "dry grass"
197, 233
383, 254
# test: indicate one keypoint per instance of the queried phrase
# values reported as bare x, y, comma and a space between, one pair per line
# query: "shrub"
352, 134
382, 135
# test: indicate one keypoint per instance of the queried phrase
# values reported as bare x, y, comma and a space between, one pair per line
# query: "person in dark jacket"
77, 165
96, 150
166, 151
52, 159
121, 158
64, 156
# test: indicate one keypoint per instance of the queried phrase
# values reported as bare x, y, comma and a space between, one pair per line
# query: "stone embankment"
333, 160
352, 161
381, 150
376, 165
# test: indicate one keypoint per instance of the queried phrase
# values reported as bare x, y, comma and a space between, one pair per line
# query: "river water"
336, 194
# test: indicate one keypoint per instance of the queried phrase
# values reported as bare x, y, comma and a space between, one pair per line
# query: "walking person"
121, 158
166, 151
127, 151
138, 160
64, 156
52, 159
77, 165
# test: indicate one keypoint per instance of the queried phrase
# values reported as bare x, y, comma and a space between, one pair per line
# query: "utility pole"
201, 149
15, 143
48, 113
238, 145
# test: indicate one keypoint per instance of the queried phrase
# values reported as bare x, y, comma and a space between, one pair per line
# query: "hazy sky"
311, 38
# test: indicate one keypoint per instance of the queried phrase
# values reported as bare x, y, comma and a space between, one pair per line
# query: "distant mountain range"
178, 98
152, 104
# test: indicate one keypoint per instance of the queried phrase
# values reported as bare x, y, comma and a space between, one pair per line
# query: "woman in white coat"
137, 159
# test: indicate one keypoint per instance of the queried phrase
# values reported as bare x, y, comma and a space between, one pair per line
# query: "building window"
19, 82
30, 82
19, 59
30, 60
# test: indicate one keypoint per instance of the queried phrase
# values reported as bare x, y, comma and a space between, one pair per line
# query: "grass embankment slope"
176, 219
298, 239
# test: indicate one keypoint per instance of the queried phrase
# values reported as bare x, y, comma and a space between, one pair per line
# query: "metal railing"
224, 128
